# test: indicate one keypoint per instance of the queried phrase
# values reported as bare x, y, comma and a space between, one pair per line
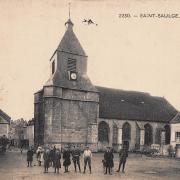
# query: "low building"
30, 132
175, 130
4, 124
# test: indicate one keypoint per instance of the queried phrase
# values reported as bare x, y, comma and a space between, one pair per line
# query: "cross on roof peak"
69, 4
69, 23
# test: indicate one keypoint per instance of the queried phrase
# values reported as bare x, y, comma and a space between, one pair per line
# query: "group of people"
108, 162
52, 158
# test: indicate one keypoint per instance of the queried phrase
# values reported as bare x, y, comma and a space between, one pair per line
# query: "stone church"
71, 110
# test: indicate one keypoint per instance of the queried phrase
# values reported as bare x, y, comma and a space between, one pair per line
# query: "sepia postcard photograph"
89, 89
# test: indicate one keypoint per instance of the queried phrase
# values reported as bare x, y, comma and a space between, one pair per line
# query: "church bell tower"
66, 109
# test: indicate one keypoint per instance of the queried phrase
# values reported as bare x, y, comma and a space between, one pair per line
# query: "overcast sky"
140, 54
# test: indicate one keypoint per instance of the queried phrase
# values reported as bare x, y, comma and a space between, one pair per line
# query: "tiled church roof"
132, 105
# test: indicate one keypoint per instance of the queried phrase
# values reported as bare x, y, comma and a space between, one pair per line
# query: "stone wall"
137, 135
174, 128
70, 116
38, 118
30, 134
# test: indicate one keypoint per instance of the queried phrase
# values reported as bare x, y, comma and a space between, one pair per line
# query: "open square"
13, 166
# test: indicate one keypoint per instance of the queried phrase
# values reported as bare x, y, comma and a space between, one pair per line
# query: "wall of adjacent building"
30, 134
174, 128
4, 130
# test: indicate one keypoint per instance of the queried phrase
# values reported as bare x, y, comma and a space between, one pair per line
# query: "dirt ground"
13, 167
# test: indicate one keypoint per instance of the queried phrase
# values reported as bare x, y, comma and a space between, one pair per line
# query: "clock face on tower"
73, 76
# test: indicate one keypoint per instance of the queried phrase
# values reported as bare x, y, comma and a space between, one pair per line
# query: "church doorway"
103, 133
167, 134
148, 134
126, 134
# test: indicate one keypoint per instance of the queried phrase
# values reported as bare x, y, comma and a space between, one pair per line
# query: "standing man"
108, 157
29, 157
57, 162
123, 154
87, 155
66, 157
52, 155
76, 157
46, 157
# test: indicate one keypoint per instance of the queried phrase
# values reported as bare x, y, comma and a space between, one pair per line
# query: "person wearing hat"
57, 162
123, 154
52, 155
66, 157
87, 155
46, 157
76, 158
39, 153
29, 157
108, 158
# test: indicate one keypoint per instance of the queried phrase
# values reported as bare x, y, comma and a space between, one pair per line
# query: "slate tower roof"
70, 42
70, 56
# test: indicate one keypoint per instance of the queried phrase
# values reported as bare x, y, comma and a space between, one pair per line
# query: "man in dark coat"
123, 154
52, 155
75, 157
66, 157
46, 157
108, 158
29, 157
57, 162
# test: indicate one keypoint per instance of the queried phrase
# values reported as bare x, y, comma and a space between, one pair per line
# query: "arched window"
103, 132
167, 134
148, 134
126, 132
